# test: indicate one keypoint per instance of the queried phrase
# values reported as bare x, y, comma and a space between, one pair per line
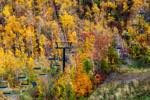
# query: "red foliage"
99, 78
102, 43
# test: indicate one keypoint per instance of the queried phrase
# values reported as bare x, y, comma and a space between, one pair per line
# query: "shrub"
113, 56
105, 66
87, 65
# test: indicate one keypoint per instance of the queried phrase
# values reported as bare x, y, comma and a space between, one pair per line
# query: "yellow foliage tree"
7, 10
67, 20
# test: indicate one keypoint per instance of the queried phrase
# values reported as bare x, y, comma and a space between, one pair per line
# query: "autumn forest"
74, 49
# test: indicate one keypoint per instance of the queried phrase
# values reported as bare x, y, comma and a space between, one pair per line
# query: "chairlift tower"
64, 46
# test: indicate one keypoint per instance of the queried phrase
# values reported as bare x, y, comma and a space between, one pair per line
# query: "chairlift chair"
3, 85
24, 83
118, 47
9, 92
37, 68
53, 58
56, 64
22, 77
43, 75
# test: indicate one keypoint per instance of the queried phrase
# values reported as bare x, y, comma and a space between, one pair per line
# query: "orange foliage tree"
82, 84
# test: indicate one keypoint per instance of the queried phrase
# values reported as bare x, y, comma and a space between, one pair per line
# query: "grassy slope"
130, 84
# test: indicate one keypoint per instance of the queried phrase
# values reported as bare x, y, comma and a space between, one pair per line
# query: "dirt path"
127, 77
